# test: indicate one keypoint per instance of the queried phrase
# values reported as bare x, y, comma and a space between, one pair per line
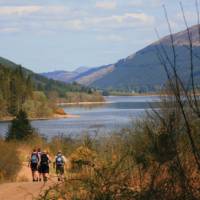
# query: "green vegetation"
75, 97
127, 93
17, 93
20, 89
20, 128
41, 83
39, 106
15, 89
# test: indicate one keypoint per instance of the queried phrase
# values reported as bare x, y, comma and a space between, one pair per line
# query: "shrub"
66, 144
82, 156
39, 106
9, 161
60, 111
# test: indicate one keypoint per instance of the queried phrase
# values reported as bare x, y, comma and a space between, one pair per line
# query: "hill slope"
65, 76
143, 71
43, 83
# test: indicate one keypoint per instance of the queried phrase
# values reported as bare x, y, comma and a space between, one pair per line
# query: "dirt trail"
24, 188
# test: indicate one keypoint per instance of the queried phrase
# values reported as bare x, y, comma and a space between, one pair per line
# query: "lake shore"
136, 94
55, 116
81, 103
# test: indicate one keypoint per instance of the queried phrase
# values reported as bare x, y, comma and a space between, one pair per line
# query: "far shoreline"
80, 103
105, 102
54, 117
136, 94
66, 115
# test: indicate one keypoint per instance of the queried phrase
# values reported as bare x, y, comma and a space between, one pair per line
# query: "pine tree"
13, 103
20, 128
29, 87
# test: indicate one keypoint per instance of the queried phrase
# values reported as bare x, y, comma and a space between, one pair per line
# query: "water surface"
118, 112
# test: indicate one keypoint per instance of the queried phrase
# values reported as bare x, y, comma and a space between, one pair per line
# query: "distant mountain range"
65, 76
82, 75
42, 83
141, 71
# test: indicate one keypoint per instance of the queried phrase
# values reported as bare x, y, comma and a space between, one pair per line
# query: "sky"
48, 35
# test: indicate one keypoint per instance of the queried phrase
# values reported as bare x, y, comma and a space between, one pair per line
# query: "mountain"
181, 38
43, 83
81, 70
88, 77
141, 71
65, 76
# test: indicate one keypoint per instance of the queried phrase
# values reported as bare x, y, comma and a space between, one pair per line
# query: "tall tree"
13, 103
20, 128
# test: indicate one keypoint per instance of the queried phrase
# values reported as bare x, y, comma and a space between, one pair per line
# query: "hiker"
59, 164
33, 164
39, 168
44, 165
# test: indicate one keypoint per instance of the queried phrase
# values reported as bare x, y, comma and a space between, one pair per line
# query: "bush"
60, 111
9, 161
66, 144
82, 156
39, 106
94, 177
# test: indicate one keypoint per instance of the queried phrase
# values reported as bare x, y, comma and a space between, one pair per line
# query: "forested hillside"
22, 89
44, 84
17, 92
15, 89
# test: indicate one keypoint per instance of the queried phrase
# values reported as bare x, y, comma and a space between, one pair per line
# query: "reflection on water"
116, 113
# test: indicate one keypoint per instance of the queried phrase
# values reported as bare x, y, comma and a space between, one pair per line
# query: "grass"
10, 163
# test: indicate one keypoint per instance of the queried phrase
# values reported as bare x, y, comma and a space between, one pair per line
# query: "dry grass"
10, 162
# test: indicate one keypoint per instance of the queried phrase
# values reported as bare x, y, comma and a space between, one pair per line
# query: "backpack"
34, 158
44, 159
59, 160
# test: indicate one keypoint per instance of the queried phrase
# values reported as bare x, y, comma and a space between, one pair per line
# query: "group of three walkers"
39, 163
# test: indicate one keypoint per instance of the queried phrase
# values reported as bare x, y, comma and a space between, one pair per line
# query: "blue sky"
48, 35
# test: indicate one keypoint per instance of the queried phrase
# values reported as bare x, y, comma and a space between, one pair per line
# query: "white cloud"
40, 11
120, 21
127, 20
18, 10
61, 17
106, 5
